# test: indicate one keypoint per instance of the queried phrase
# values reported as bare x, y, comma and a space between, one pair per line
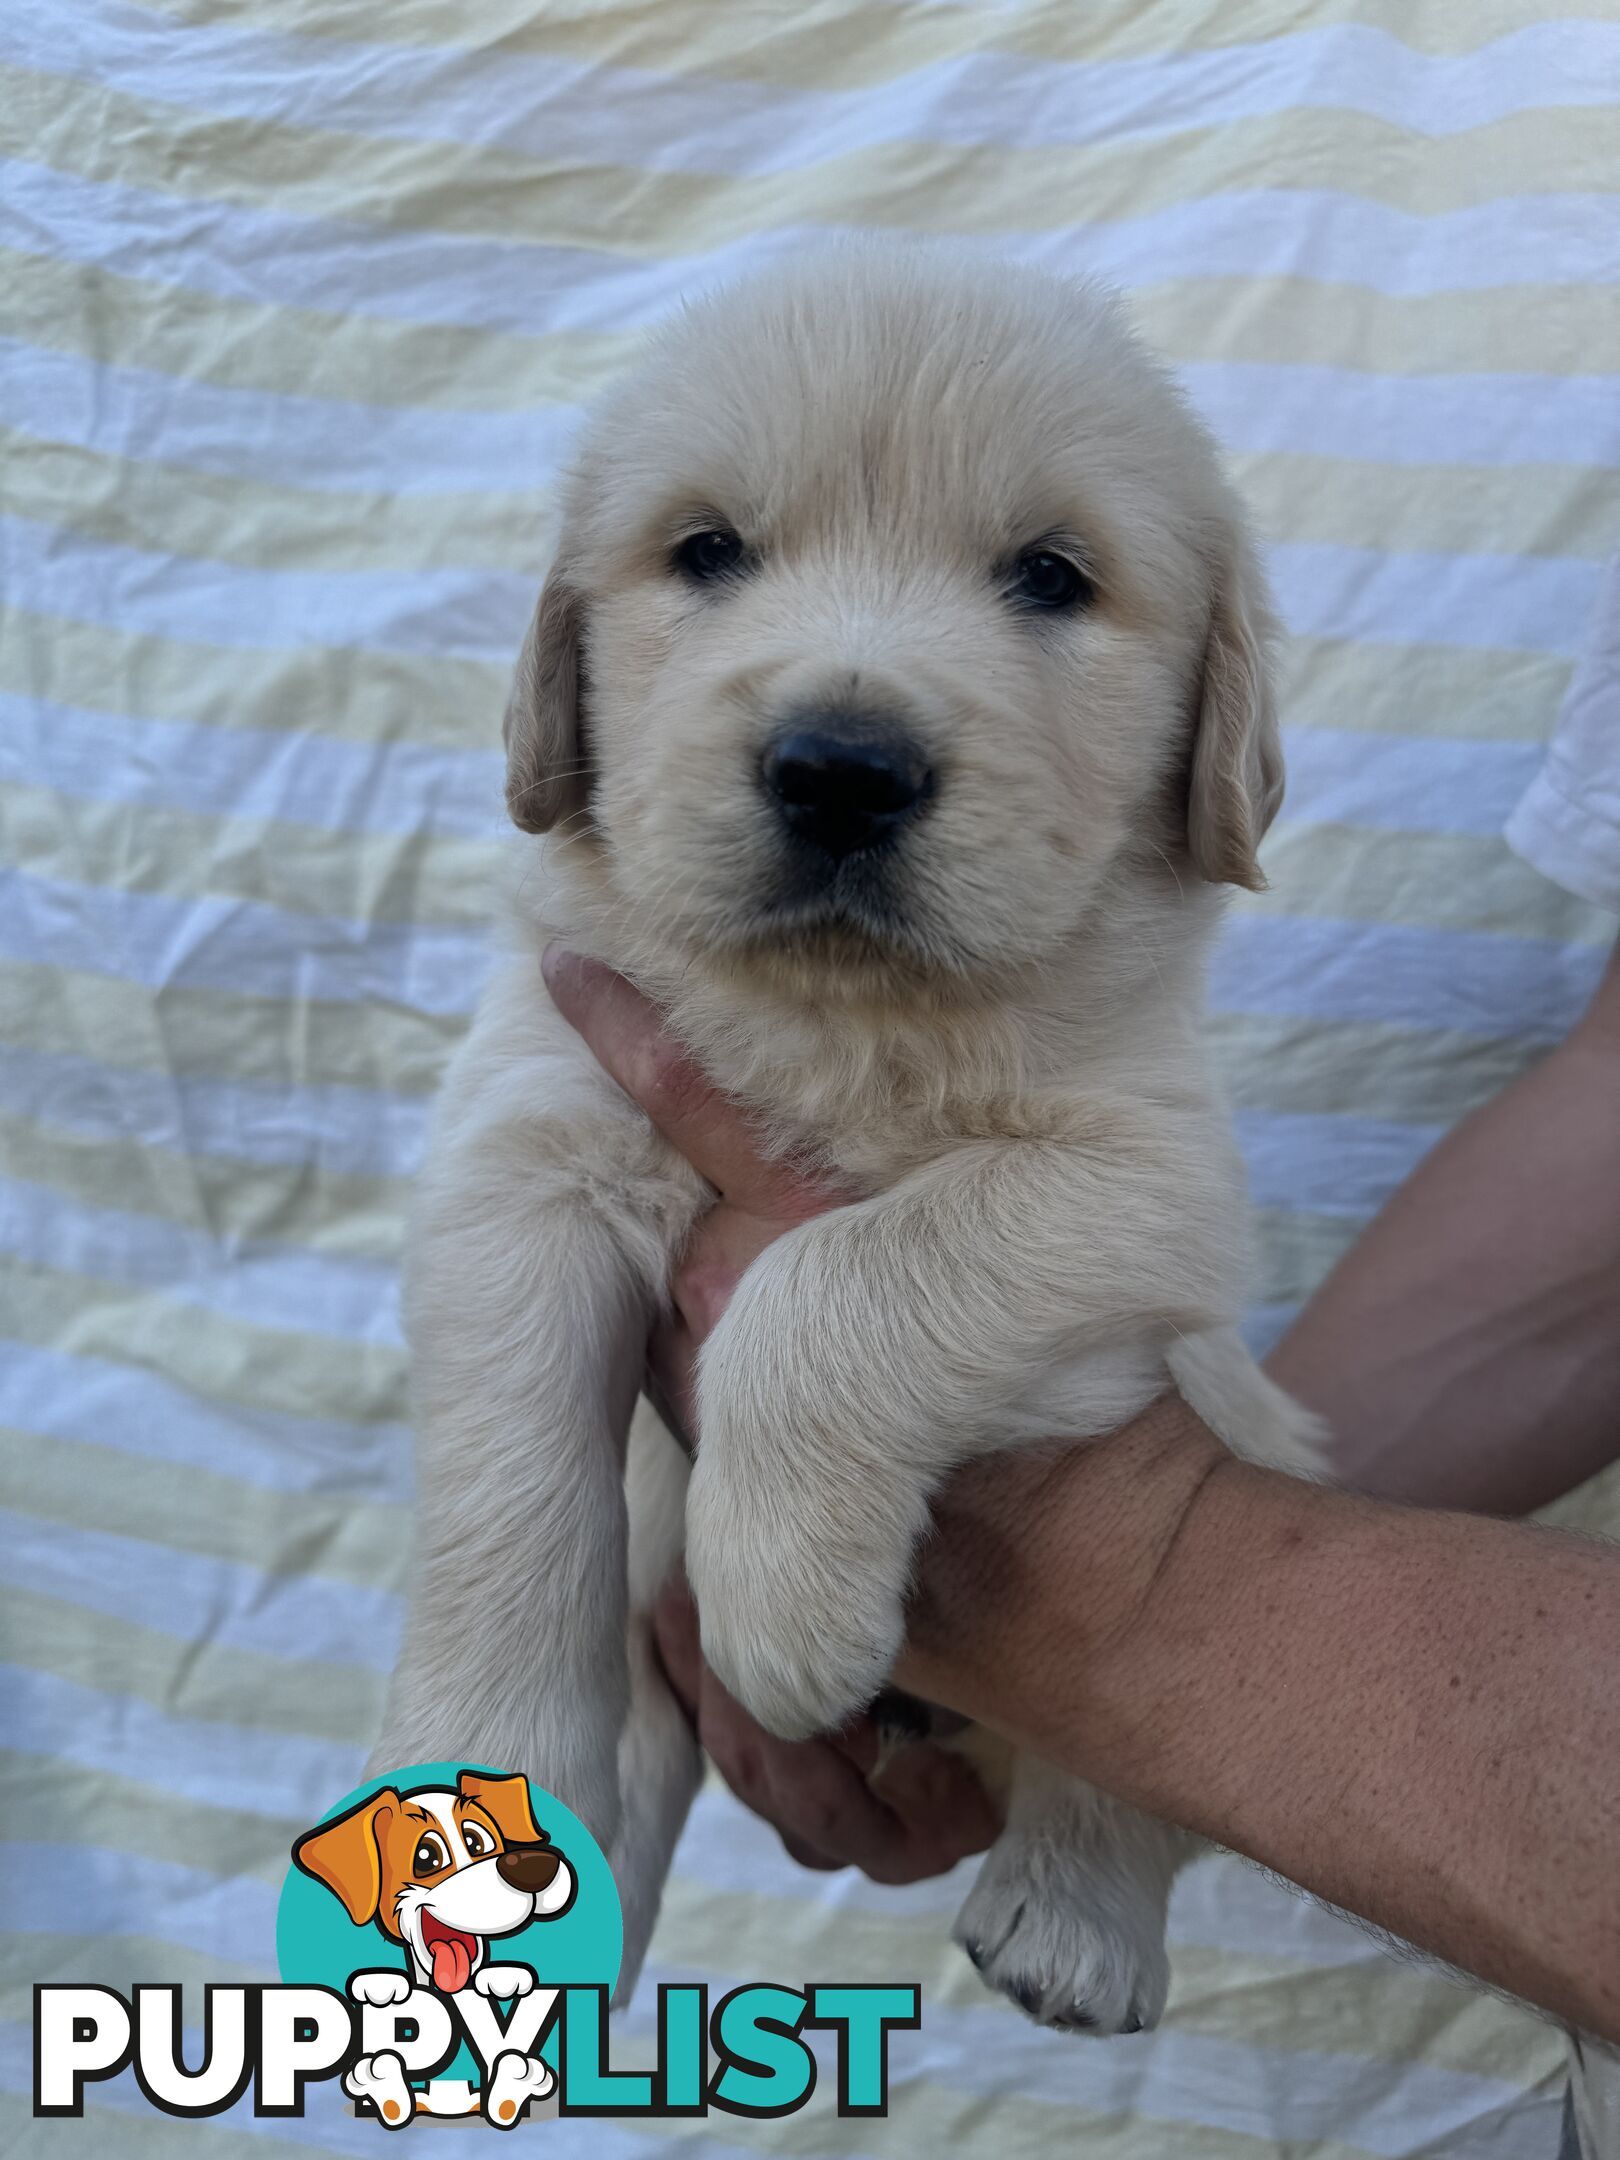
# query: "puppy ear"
1236, 778
346, 1854
506, 1802
542, 732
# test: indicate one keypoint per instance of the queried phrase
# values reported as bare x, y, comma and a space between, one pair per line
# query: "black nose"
528, 1867
844, 792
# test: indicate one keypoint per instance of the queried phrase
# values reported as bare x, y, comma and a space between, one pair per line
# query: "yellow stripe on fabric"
124, 1814
1549, 510
1300, 321
268, 525
195, 1510
223, 1034
302, 352
831, 44
358, 695
1362, 1068
375, 360
1447, 691
314, 870
478, 190
291, 1207
1431, 881
188, 1677
224, 1361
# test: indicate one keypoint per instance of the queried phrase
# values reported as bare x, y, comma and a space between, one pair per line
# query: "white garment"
1568, 826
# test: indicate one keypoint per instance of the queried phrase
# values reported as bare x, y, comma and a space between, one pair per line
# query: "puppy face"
899, 608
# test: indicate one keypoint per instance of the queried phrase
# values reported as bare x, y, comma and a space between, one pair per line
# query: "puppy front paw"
379, 1989
1073, 1953
799, 1529
503, 1980
801, 1647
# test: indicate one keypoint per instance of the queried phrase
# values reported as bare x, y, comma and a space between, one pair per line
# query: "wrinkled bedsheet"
299, 300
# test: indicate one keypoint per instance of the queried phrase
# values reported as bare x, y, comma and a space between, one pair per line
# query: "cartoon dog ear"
1236, 780
346, 1854
506, 1801
542, 730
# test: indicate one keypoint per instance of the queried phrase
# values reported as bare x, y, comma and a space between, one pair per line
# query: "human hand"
828, 1799
756, 1200
925, 1810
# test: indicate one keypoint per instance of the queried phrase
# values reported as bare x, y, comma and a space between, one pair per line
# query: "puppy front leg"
528, 1340
545, 1217
870, 1350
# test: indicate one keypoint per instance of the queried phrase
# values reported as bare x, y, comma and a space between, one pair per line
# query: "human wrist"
1033, 1593
1157, 1704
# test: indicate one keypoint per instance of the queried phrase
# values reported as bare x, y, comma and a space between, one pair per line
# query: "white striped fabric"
300, 302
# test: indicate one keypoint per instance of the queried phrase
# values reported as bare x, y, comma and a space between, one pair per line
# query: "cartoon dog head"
442, 1870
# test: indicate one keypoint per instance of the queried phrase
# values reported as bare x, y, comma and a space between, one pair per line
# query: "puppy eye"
431, 1854
474, 1840
705, 556
1044, 579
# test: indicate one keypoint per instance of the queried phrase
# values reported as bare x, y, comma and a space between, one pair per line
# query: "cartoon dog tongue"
452, 1961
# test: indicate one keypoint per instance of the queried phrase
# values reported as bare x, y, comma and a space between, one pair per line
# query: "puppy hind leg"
660, 1762
660, 1769
1067, 1917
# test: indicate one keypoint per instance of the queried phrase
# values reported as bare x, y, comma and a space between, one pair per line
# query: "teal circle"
318, 1945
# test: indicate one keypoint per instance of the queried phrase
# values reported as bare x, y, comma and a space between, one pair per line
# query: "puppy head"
899, 606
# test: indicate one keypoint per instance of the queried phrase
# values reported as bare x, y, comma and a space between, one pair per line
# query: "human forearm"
1410, 1714
1465, 1352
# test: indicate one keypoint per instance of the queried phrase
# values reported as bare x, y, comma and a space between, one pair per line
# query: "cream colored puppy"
895, 708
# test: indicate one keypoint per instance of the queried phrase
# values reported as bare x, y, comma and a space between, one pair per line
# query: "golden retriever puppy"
894, 711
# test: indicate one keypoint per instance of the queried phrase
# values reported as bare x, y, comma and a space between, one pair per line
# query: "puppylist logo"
448, 1940
457, 1893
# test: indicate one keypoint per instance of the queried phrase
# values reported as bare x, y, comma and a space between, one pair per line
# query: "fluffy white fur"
998, 1042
